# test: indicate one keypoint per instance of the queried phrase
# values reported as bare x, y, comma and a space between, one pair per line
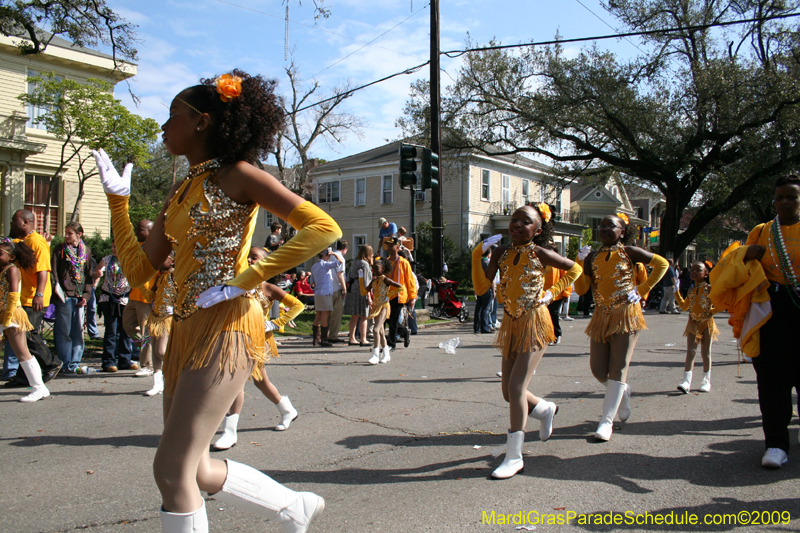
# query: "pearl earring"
198, 128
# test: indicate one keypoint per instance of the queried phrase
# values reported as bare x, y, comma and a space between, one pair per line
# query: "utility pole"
436, 144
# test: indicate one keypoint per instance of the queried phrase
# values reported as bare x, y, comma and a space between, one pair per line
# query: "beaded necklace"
76, 256
784, 262
200, 168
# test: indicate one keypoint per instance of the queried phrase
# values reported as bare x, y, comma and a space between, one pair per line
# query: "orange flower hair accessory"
228, 87
709, 265
544, 210
623, 217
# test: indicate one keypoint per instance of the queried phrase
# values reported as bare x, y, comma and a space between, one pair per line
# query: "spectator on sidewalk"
483, 303
117, 346
275, 239
387, 231
669, 283
34, 299
134, 317
322, 280
339, 292
355, 304
401, 273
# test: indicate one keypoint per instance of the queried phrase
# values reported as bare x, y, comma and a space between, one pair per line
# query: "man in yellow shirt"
34, 298
401, 273
134, 317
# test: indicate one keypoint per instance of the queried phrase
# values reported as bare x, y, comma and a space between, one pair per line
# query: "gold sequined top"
521, 279
697, 302
210, 234
4, 288
165, 294
613, 274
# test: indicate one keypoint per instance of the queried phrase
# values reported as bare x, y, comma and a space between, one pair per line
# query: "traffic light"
430, 170
408, 166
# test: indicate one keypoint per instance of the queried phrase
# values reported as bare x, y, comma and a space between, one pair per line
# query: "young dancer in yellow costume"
217, 338
159, 322
526, 330
701, 328
383, 290
617, 320
265, 294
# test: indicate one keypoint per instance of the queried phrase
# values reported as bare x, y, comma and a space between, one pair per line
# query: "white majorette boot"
288, 413
386, 357
228, 438
158, 384
706, 385
614, 392
376, 356
544, 413
686, 385
250, 489
513, 462
196, 522
624, 411
34, 374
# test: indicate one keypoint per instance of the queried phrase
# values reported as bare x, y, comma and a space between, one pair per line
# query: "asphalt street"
406, 446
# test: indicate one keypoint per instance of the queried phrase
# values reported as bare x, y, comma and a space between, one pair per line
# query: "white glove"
487, 243
269, 325
677, 285
218, 294
169, 310
633, 296
584, 252
112, 182
360, 272
546, 298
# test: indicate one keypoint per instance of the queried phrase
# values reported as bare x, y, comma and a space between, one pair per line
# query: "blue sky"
182, 41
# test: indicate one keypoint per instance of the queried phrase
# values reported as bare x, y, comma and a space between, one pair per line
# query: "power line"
458, 53
607, 24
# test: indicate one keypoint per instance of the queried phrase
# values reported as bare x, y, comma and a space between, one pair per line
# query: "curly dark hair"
788, 179
545, 238
631, 231
244, 128
24, 256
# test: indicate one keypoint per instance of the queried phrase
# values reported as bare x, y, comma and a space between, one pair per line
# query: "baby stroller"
444, 301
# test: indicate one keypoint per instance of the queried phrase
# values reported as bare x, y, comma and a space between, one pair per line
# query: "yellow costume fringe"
20, 318
606, 323
158, 326
697, 329
529, 333
234, 329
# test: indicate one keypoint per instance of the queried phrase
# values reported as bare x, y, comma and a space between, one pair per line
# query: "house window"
526, 191
361, 191
486, 184
358, 242
506, 191
269, 218
386, 190
35, 112
36, 199
420, 195
329, 192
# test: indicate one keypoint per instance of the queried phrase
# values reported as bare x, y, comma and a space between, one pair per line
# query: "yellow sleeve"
660, 266
684, 304
361, 286
12, 302
135, 264
407, 275
295, 308
479, 281
584, 282
566, 280
317, 231
42, 251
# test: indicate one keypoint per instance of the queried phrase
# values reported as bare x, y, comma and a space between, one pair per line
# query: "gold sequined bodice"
4, 288
700, 308
165, 294
521, 279
210, 234
380, 292
613, 274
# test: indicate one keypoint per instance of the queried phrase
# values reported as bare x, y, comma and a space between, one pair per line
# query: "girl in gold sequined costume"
13, 257
610, 272
383, 289
159, 322
701, 328
526, 330
265, 294
217, 338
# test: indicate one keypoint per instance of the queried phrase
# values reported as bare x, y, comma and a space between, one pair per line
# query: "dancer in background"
159, 322
701, 328
266, 294
14, 257
617, 320
217, 339
526, 330
383, 289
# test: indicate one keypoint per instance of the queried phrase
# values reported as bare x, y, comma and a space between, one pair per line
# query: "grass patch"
304, 323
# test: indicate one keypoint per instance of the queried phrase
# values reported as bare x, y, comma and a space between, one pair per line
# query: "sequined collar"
205, 166
523, 249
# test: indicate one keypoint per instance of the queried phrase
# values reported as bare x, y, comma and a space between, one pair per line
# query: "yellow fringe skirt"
606, 323
234, 328
529, 333
20, 318
697, 329
158, 326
